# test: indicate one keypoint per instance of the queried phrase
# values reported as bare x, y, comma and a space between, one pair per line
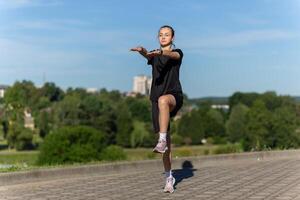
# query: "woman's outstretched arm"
172, 54
142, 51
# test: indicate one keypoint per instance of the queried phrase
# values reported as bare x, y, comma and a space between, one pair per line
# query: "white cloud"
14, 4
75, 34
21, 55
253, 21
51, 24
59, 54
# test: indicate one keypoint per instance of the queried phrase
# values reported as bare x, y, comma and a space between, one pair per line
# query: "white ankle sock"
168, 174
163, 136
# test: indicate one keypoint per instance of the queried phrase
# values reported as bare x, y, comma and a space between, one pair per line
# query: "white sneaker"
170, 181
161, 147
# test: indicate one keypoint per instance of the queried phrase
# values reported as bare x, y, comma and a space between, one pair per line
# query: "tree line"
257, 121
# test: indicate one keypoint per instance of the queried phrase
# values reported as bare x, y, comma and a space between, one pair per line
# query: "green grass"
25, 160
13, 157
18, 160
184, 151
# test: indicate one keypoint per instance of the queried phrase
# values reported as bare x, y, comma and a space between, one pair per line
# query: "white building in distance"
222, 107
28, 120
142, 84
2, 90
92, 90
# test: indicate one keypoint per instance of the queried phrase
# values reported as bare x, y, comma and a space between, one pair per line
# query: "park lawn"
25, 160
12, 160
183, 151
146, 153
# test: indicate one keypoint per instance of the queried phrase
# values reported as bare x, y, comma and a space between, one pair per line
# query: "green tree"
284, 131
107, 122
139, 134
124, 126
43, 122
20, 94
243, 98
259, 125
191, 127
139, 108
5, 126
42, 103
52, 92
236, 124
91, 107
1, 132
215, 124
271, 100
67, 111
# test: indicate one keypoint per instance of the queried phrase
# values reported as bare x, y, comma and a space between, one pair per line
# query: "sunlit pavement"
261, 178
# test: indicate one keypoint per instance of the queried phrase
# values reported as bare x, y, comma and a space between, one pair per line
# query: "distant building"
28, 120
92, 90
130, 94
222, 107
3, 88
142, 84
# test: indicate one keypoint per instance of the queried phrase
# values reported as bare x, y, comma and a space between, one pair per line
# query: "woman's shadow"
186, 172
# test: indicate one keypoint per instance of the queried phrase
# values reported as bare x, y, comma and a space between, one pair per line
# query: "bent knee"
163, 101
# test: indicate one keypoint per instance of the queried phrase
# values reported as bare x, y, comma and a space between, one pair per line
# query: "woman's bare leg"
167, 157
166, 104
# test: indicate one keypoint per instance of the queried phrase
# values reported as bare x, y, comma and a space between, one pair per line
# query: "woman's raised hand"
145, 53
138, 49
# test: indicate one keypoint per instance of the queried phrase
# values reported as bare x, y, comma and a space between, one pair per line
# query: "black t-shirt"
165, 75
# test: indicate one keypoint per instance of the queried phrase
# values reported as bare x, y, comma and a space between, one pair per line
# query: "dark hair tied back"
167, 26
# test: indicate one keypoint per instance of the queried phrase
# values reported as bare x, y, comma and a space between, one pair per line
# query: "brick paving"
269, 179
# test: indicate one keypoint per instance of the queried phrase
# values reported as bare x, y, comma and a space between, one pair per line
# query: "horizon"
191, 98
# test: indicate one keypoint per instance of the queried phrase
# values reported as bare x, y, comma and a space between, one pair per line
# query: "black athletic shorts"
155, 111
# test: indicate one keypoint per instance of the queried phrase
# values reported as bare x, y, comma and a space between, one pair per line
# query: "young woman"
166, 93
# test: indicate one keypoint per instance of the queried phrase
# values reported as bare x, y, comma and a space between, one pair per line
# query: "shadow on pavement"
186, 172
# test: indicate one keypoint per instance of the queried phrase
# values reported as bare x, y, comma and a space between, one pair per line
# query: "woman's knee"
163, 102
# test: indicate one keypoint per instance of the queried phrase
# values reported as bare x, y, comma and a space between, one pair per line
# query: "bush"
72, 144
112, 153
228, 148
37, 140
219, 140
19, 137
24, 140
177, 140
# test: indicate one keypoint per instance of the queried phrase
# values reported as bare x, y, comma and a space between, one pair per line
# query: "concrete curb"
118, 167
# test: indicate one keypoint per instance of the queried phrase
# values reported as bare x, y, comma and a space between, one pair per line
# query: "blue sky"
229, 46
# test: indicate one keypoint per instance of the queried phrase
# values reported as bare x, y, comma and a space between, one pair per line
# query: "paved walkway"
272, 179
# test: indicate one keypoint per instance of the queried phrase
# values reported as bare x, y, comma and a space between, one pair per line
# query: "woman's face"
165, 36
